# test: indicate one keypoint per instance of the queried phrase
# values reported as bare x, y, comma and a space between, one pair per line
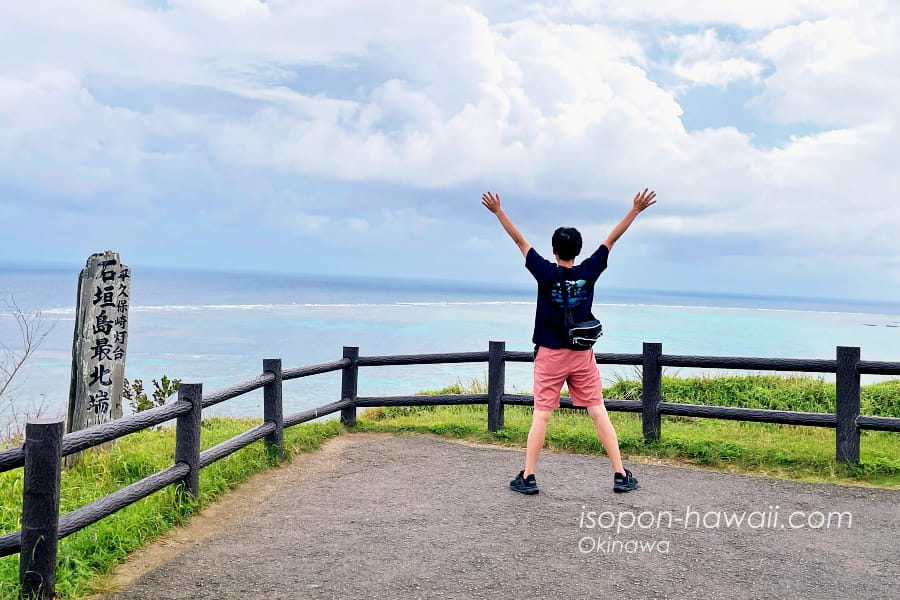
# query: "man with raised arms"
554, 362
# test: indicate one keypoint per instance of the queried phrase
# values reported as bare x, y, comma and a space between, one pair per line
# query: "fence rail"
45, 445
749, 363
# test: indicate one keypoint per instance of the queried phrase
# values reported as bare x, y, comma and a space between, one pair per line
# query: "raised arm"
641, 201
492, 203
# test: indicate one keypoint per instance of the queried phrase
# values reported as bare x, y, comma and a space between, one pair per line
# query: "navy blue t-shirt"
550, 316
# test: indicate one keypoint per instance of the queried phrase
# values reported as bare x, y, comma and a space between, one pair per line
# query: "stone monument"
101, 338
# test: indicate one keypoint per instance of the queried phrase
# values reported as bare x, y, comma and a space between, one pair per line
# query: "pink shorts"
578, 368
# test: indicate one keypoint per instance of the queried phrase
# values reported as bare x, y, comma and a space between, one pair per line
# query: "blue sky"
355, 138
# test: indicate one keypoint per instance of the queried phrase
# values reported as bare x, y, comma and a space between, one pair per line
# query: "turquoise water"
216, 328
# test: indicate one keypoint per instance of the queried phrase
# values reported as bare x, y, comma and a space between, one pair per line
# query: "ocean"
217, 327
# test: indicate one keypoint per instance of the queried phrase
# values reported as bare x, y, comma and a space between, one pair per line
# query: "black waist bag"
583, 334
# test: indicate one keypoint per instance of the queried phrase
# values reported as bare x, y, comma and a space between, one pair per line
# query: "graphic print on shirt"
577, 293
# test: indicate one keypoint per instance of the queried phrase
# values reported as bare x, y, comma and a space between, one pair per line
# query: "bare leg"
536, 436
607, 434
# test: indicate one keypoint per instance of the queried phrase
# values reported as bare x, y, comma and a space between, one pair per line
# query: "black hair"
566, 243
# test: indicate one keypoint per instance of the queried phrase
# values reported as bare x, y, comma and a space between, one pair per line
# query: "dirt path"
418, 517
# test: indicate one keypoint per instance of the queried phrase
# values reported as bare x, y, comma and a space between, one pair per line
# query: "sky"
355, 138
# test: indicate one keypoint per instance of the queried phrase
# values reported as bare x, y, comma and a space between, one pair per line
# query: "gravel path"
419, 517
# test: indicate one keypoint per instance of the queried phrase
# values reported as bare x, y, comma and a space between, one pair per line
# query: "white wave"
70, 312
482, 303
744, 308
248, 307
58, 311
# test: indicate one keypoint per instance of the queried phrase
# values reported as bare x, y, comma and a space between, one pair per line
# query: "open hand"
491, 202
641, 200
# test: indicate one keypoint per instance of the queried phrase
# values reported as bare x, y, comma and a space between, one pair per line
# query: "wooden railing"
45, 445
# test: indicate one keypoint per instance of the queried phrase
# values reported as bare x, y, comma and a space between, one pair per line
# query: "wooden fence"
45, 445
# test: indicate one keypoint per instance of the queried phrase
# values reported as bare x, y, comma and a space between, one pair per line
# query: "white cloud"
407, 218
357, 224
555, 102
837, 72
718, 73
704, 59
757, 15
57, 136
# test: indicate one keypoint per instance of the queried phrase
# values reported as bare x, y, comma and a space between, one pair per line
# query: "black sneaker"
625, 483
524, 485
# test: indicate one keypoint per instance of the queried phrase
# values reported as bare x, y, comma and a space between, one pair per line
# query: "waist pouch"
583, 335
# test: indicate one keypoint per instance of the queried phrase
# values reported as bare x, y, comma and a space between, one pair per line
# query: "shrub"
137, 397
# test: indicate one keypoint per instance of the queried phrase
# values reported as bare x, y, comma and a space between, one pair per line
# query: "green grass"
800, 394
95, 550
803, 453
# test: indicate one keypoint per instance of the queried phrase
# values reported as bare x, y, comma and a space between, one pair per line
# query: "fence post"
496, 384
40, 508
273, 410
847, 405
651, 391
349, 379
187, 437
